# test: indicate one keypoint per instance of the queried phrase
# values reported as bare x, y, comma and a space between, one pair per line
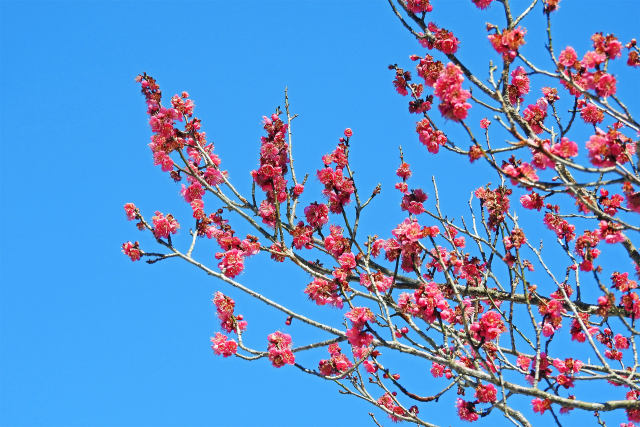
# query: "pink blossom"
413, 202
565, 148
302, 236
383, 283
163, 226
370, 367
131, 211
610, 232
335, 242
508, 42
213, 176
535, 114
232, 262
563, 229
359, 315
444, 40
523, 362
279, 349
198, 209
540, 405
316, 214
419, 6
568, 57
519, 86
337, 364
489, 327
429, 137
605, 85
532, 201
605, 149
358, 338
622, 283
482, 4
297, 190
193, 192
132, 250
250, 246
621, 343
164, 160
404, 171
223, 346
466, 410
387, 401
592, 59
453, 99
591, 114
225, 308
437, 370
486, 393
347, 260
324, 292
429, 70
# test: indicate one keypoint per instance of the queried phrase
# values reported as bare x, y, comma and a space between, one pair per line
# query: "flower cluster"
443, 40
519, 86
222, 346
432, 139
280, 349
234, 250
359, 339
317, 214
535, 114
165, 138
413, 200
405, 243
453, 99
228, 321
302, 236
540, 405
163, 226
131, 211
507, 42
605, 149
489, 327
590, 113
274, 159
586, 248
519, 171
577, 333
382, 283
419, 6
552, 311
581, 78
428, 69
482, 4
486, 393
132, 250
337, 188
466, 410
427, 302
324, 292
561, 226
335, 243
390, 404
337, 364
610, 232
496, 202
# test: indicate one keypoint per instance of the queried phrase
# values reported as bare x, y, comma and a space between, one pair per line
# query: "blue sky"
89, 338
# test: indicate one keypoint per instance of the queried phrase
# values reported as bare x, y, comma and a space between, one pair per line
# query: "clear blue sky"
89, 338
